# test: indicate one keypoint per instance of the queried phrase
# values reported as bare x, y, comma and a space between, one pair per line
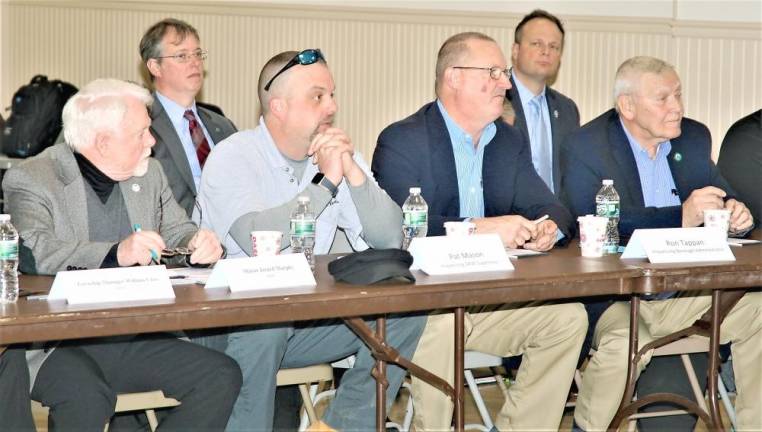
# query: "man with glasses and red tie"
469, 164
185, 132
251, 181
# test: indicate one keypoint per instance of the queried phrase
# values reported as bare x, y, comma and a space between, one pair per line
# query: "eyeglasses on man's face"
304, 58
494, 72
185, 57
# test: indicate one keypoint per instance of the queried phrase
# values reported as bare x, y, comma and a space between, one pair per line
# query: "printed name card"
678, 245
261, 273
459, 254
123, 284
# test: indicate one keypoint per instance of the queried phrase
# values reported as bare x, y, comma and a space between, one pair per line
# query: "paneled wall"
382, 59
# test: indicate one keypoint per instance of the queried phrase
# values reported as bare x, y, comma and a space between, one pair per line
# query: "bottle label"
607, 209
416, 218
302, 227
9, 249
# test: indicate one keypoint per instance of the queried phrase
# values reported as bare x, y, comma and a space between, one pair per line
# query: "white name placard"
123, 284
678, 245
459, 254
261, 273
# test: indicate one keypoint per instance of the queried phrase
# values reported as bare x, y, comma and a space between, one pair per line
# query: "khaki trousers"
604, 379
548, 335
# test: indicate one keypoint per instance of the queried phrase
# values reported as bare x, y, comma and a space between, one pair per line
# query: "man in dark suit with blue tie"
661, 166
544, 115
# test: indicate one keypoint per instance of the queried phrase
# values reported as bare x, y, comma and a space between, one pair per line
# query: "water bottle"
415, 217
607, 205
303, 230
9, 255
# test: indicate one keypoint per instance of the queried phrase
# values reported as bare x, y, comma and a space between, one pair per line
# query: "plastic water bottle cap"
415, 190
5, 217
608, 182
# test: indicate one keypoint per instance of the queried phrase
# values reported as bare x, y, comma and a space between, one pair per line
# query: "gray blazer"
169, 150
45, 196
564, 119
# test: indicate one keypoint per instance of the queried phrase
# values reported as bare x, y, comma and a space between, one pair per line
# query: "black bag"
35, 120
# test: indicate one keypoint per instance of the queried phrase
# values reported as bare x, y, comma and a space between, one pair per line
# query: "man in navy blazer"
661, 166
469, 165
536, 58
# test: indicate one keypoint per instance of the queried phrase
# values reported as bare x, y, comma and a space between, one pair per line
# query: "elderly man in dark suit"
470, 165
185, 131
661, 166
543, 114
76, 205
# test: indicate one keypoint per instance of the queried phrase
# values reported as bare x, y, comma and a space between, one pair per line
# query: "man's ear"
626, 106
278, 106
102, 141
452, 78
154, 68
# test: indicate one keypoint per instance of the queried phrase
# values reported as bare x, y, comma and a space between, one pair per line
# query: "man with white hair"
80, 205
661, 165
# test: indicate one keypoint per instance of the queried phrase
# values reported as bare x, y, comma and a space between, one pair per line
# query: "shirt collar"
274, 157
662, 150
174, 110
458, 135
524, 93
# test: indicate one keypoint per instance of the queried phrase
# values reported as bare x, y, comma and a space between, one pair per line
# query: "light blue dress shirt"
655, 175
528, 99
175, 113
468, 164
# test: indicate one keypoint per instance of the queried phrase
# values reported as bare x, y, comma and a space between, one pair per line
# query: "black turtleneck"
102, 184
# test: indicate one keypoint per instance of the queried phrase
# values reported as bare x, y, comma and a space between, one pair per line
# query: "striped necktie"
198, 137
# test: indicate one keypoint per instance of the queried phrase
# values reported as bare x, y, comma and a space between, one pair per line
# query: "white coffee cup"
459, 228
592, 235
265, 243
718, 219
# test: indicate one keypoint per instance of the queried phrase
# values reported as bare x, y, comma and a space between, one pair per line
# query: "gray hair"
452, 52
628, 73
99, 106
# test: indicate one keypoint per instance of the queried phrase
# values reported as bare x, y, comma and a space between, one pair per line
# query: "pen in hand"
540, 220
154, 256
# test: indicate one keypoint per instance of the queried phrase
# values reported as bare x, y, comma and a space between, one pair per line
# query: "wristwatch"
321, 180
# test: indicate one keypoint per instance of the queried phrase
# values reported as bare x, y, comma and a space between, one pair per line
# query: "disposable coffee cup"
718, 219
265, 243
592, 235
459, 229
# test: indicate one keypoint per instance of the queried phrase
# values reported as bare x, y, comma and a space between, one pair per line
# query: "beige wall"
382, 58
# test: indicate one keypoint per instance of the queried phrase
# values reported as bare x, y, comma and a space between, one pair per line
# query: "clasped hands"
516, 231
711, 198
141, 247
332, 151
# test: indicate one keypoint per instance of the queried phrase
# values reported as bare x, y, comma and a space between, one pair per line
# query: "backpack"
35, 120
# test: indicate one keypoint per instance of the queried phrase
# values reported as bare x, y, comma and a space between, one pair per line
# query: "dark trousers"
79, 382
15, 408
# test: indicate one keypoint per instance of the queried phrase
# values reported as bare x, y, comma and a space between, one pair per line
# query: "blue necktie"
542, 158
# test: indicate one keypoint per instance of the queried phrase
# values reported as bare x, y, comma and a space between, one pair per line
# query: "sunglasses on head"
304, 58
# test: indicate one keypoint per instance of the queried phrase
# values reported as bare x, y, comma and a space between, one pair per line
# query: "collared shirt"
248, 173
527, 98
655, 175
175, 113
468, 164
